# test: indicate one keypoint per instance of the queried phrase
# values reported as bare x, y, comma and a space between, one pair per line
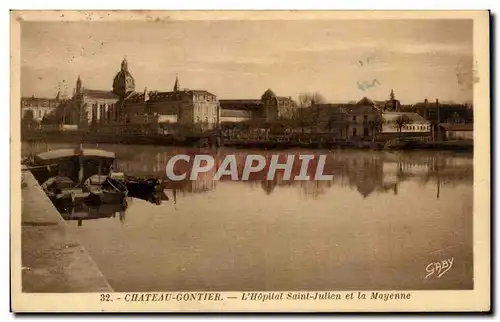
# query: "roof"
328, 105
365, 101
393, 116
269, 93
441, 105
95, 93
200, 92
235, 113
240, 104
156, 95
136, 96
66, 153
457, 126
34, 98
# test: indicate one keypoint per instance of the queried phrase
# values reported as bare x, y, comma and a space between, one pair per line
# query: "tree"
308, 99
375, 126
401, 121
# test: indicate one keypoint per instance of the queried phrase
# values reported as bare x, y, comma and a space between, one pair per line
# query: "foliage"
308, 99
401, 121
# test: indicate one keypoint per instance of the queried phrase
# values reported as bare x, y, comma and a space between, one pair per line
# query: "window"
354, 118
365, 118
365, 131
354, 130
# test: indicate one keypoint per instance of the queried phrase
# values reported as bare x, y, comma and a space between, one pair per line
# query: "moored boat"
72, 176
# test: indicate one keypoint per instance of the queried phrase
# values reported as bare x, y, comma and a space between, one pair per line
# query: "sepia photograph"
250, 161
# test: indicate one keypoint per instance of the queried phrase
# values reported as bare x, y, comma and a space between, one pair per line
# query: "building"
268, 108
239, 110
444, 112
452, 132
404, 122
92, 107
39, 107
363, 118
123, 105
329, 118
185, 107
276, 107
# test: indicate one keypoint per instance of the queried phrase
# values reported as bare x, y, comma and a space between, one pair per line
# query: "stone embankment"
53, 260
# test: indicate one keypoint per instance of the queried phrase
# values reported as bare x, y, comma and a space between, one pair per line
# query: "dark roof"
200, 92
457, 126
171, 94
94, 93
329, 105
441, 105
235, 113
365, 101
269, 93
136, 96
241, 104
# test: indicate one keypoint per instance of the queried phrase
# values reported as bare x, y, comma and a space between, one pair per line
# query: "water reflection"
367, 172
82, 212
376, 225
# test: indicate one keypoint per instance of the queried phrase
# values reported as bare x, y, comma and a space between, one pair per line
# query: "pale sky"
241, 59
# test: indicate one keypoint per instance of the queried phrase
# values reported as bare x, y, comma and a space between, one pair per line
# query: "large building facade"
38, 107
124, 105
268, 108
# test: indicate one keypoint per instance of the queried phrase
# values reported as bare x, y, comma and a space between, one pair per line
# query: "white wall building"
416, 123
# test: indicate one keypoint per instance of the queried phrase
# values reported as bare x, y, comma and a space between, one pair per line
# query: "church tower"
78, 89
176, 85
123, 83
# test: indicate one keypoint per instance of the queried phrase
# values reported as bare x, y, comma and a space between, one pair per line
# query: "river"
382, 222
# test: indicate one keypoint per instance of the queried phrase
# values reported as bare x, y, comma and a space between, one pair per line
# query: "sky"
344, 60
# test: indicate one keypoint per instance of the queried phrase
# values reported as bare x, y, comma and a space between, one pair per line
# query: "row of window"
409, 127
102, 105
417, 127
37, 103
198, 109
208, 98
207, 120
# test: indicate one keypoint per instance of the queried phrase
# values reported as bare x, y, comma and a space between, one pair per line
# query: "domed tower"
268, 95
270, 105
124, 83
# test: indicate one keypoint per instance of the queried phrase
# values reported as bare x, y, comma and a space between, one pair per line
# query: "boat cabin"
76, 164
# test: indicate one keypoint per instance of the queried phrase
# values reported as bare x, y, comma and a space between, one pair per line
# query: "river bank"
53, 260
214, 140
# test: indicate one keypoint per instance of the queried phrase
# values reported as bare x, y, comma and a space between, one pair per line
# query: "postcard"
250, 161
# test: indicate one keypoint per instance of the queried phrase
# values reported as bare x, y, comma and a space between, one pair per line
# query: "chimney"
437, 101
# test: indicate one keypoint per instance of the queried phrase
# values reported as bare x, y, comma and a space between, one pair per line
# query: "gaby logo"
304, 167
